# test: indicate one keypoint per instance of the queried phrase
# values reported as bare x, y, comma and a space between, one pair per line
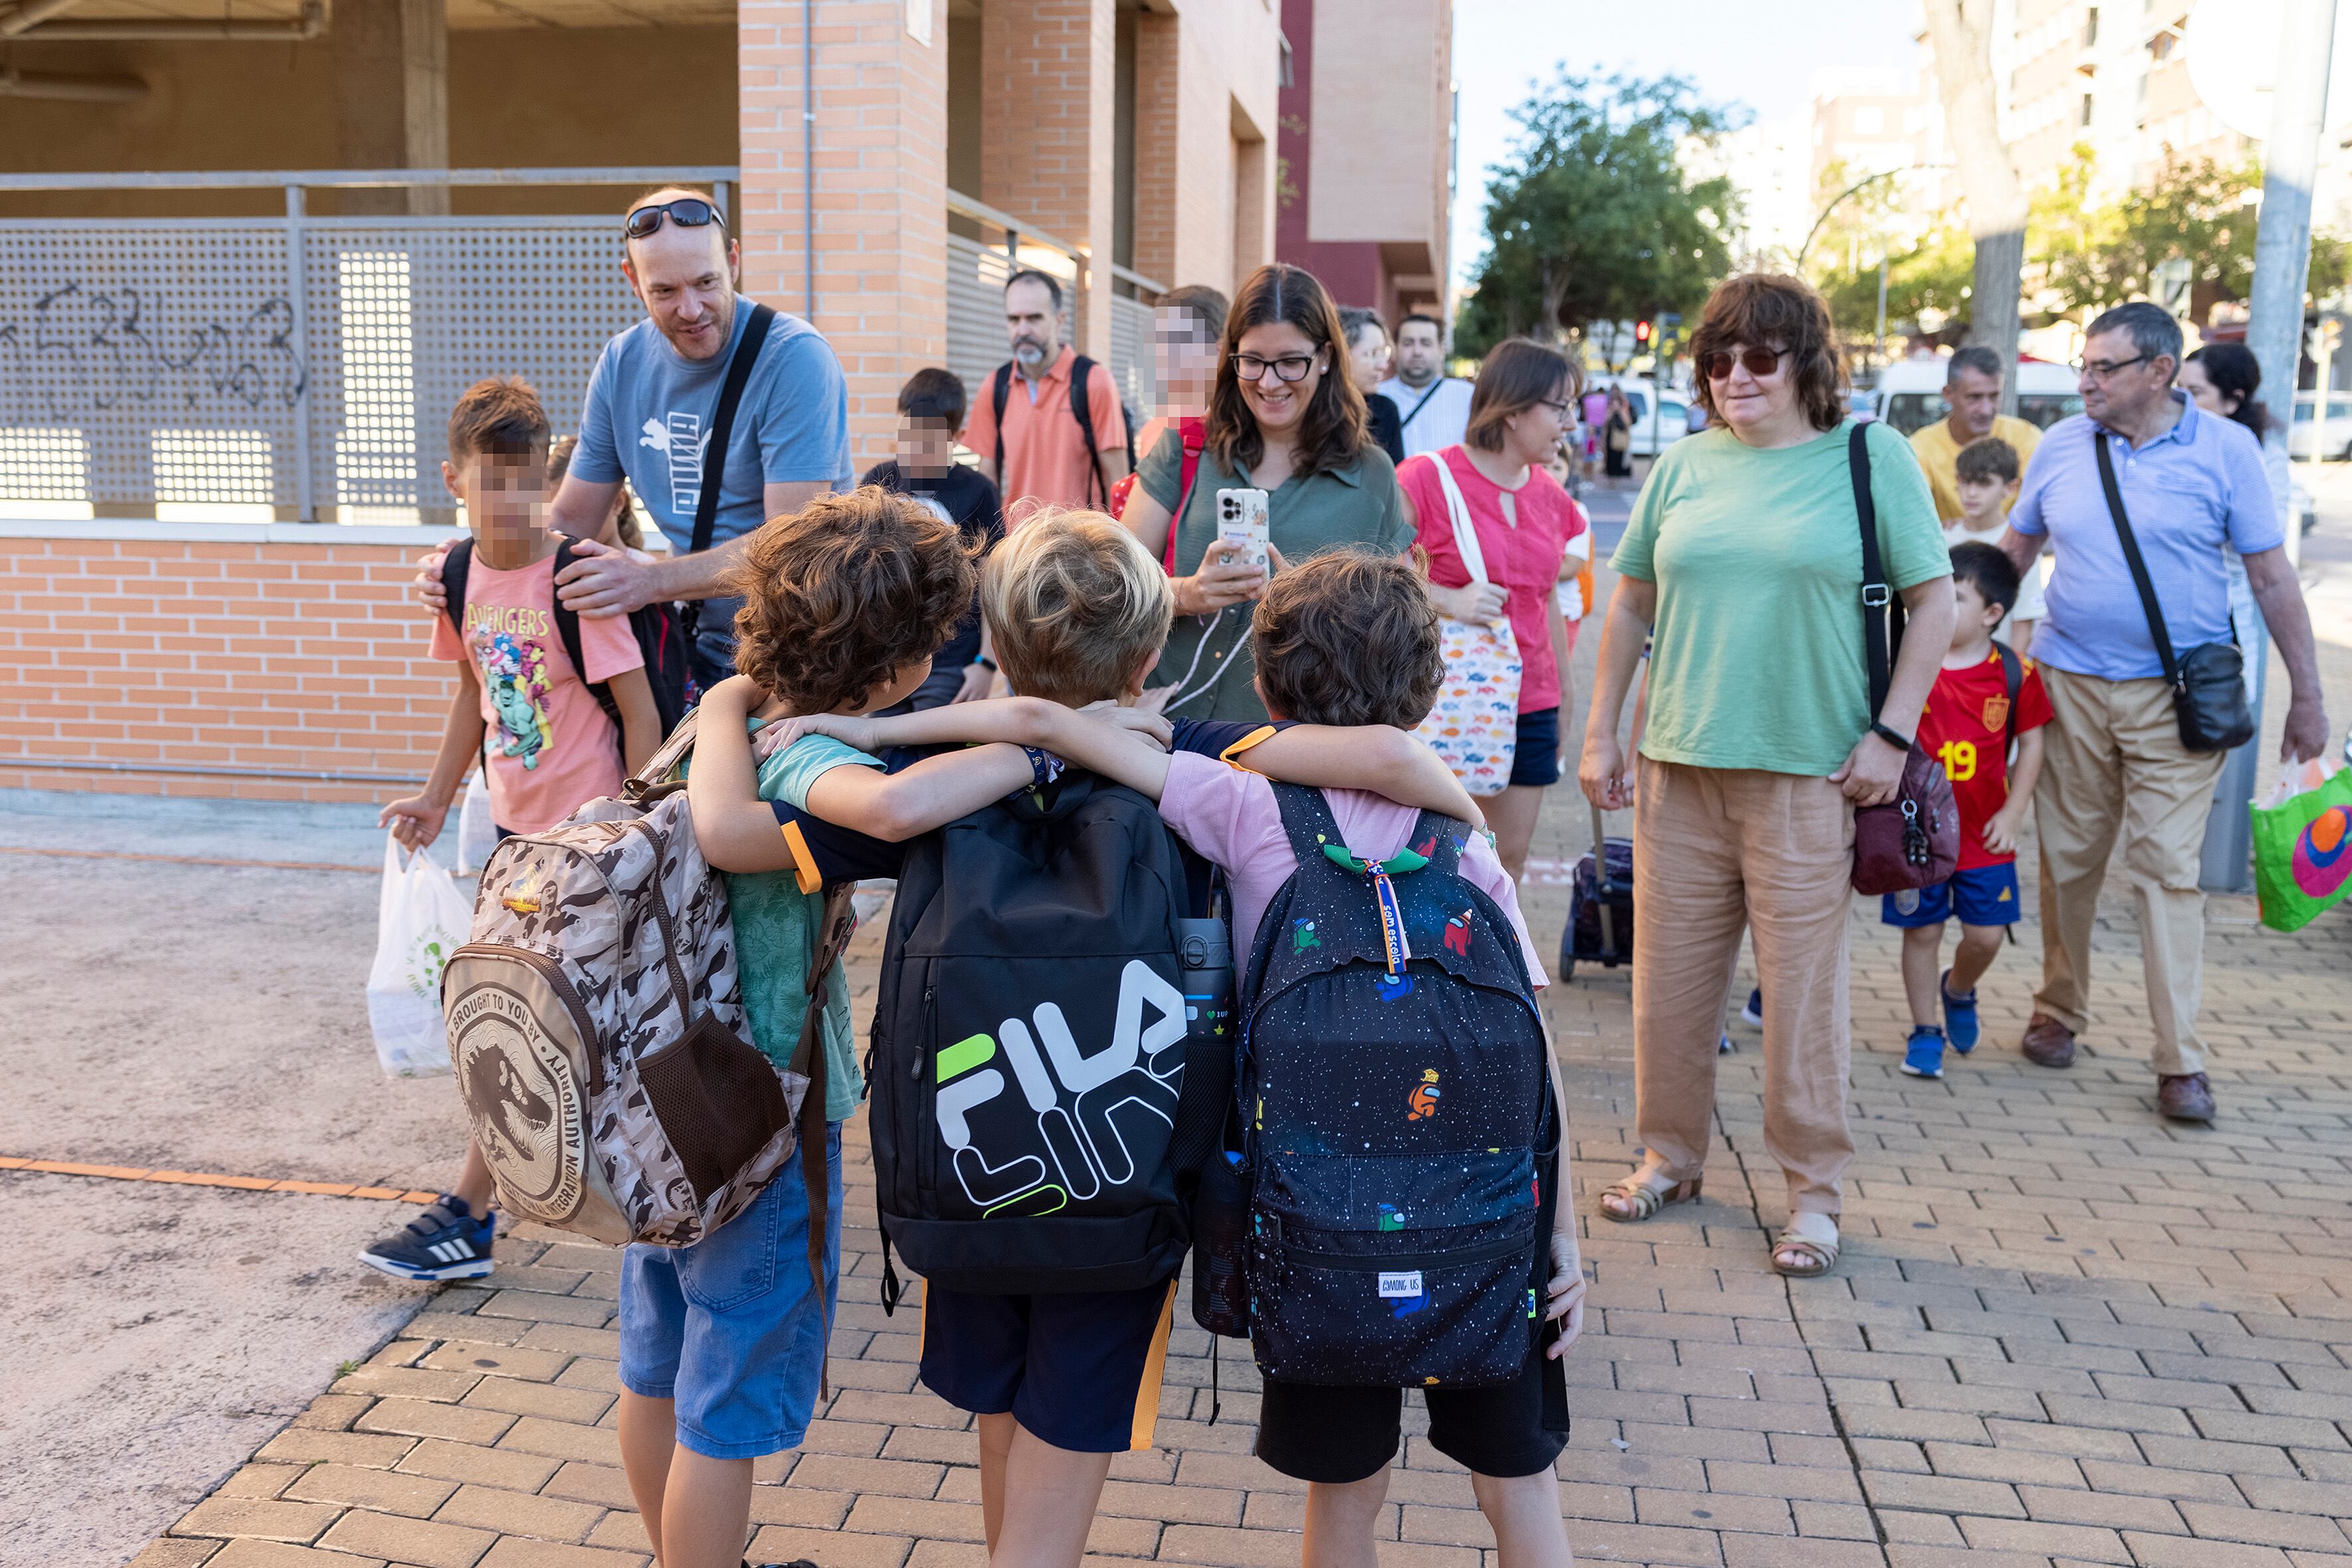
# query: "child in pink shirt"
548, 745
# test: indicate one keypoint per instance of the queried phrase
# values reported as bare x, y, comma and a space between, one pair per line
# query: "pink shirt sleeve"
609, 646
1484, 871
1433, 524
445, 643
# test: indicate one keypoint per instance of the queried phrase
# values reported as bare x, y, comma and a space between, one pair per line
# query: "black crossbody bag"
2208, 681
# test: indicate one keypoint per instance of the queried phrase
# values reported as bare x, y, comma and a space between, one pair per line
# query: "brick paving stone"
292, 1522
2063, 1332
408, 1540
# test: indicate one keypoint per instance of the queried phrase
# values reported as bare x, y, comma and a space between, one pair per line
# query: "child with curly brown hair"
722, 1343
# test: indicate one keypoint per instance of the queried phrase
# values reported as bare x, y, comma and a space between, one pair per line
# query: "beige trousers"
1716, 850
2112, 760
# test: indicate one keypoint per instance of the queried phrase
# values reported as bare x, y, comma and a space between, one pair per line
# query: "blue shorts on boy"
1975, 896
730, 1327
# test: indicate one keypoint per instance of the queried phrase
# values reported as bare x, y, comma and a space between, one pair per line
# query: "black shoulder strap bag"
714, 452
2208, 681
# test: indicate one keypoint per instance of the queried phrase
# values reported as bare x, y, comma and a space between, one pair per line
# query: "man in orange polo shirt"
1040, 447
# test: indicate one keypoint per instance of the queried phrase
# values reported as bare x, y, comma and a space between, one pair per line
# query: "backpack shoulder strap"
455, 567
1307, 818
567, 629
1082, 409
998, 388
1876, 596
722, 421
1439, 840
831, 935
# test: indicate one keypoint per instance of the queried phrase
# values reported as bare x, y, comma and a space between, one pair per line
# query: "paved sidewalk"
2063, 1331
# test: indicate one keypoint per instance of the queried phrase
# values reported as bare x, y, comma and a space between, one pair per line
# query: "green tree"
1595, 215
2094, 257
1936, 275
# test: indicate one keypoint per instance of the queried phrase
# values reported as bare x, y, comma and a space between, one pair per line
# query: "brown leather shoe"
2048, 1043
2185, 1097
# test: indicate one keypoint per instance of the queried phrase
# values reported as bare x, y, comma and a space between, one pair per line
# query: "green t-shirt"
775, 931
1755, 657
1360, 504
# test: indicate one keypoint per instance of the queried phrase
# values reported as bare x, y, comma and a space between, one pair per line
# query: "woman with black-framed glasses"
1742, 567
1284, 418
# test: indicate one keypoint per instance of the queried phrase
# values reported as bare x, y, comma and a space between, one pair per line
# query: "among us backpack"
1036, 1116
1398, 1124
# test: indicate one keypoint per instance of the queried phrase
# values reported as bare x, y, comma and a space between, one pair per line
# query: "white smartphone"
1242, 528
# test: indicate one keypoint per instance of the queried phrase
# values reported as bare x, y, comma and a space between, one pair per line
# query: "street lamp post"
2274, 332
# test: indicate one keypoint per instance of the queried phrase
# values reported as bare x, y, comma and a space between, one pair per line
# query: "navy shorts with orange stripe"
1080, 1371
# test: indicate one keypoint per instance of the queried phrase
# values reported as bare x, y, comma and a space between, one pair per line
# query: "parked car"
2301, 438
1910, 392
1660, 418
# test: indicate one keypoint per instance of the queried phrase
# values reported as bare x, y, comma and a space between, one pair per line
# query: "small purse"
1914, 840
2208, 682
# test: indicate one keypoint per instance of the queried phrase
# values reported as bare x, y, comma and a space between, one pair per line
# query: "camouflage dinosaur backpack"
597, 1031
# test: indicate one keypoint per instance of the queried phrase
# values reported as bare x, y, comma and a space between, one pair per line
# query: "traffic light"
1641, 334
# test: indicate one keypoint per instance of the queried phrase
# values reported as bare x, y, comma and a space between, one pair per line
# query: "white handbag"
1475, 724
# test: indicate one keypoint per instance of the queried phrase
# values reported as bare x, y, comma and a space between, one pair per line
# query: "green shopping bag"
2303, 846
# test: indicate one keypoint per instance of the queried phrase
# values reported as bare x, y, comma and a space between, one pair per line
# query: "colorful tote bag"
1475, 725
2303, 846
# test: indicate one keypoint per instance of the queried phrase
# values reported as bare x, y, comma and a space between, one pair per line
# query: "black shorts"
1083, 1370
1311, 1432
1535, 757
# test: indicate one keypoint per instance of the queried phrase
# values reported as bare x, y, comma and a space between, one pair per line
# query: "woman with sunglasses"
1743, 565
1284, 418
1523, 404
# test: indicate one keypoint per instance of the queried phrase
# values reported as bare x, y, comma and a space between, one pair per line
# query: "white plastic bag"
420, 917
477, 834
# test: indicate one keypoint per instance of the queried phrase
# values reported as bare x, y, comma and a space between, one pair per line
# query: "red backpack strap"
1194, 433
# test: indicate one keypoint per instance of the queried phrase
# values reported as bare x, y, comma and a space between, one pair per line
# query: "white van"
1909, 393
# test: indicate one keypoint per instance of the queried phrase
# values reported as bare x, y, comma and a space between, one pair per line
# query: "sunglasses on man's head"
686, 212
1760, 363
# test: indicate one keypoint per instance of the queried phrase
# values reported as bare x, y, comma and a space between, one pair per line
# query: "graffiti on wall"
83, 349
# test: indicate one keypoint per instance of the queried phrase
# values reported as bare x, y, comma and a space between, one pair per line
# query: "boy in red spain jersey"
1985, 697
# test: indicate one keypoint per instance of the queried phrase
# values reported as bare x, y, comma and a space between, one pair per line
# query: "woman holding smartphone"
1285, 421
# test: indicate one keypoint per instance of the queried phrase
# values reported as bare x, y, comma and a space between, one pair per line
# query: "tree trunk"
1997, 203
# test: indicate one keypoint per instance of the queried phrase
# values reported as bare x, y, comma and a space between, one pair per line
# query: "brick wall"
1046, 133
202, 651
881, 190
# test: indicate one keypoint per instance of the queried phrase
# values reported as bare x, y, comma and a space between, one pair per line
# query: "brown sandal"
1814, 1256
1642, 1200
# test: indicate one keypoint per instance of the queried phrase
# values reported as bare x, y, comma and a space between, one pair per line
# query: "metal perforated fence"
294, 367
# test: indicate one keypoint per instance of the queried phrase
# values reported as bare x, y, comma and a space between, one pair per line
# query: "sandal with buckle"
1814, 1255
1642, 1200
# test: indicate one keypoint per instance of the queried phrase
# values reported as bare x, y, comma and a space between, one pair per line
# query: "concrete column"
877, 187
391, 97
1046, 135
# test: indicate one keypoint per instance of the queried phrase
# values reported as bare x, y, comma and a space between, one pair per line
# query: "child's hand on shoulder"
850, 732
1135, 720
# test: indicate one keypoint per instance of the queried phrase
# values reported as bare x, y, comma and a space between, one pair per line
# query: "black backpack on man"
1082, 370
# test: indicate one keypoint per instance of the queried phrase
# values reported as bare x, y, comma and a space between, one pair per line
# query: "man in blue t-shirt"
2115, 764
651, 401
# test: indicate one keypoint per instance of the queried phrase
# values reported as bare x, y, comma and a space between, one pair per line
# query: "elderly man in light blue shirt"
2114, 761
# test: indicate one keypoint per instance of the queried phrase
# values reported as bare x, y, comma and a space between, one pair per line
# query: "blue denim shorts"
729, 1327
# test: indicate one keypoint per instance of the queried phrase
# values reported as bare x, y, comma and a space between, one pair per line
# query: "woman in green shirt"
1284, 418
1743, 565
